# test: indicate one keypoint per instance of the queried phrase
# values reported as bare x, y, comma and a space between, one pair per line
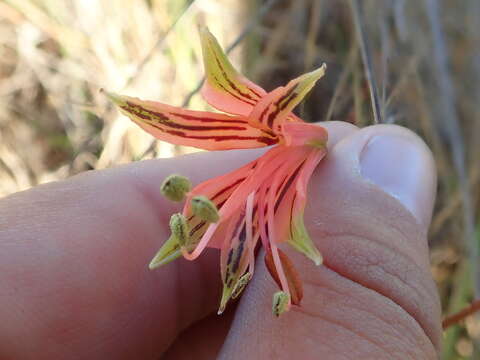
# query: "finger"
369, 209
203, 340
73, 263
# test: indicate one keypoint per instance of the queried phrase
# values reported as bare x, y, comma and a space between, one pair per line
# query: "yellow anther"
174, 187
205, 209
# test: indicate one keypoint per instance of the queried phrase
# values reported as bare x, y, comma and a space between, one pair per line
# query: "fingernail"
402, 166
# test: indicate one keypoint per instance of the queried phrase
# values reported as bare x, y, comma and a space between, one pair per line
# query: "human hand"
74, 282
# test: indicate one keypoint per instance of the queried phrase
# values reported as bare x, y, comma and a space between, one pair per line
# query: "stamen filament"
249, 230
203, 242
271, 235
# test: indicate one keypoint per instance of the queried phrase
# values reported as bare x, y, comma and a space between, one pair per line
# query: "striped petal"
275, 107
234, 256
218, 190
200, 129
298, 134
225, 88
291, 207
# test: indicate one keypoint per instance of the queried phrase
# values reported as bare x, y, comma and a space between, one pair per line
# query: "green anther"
179, 229
240, 285
174, 187
205, 209
281, 302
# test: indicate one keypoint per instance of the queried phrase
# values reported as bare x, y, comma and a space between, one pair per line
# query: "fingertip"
397, 161
375, 280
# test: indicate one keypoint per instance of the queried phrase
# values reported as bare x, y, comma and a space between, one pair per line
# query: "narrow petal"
169, 251
294, 282
218, 190
272, 239
298, 134
200, 129
251, 222
291, 205
267, 165
301, 241
281, 161
234, 258
275, 107
226, 89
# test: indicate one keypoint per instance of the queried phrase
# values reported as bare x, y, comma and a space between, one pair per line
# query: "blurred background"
418, 60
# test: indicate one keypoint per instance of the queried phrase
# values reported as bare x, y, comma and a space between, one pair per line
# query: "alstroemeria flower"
263, 200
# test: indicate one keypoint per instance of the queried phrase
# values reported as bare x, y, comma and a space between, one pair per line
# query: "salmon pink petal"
275, 107
218, 190
225, 88
294, 282
268, 164
297, 134
234, 257
200, 129
289, 187
238, 253
298, 236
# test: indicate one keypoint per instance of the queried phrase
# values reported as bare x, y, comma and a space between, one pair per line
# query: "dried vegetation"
424, 69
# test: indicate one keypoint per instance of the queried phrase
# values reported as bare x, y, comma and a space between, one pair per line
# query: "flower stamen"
175, 187
205, 209
281, 303
179, 229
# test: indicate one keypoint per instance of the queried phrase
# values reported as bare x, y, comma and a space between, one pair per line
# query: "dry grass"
424, 57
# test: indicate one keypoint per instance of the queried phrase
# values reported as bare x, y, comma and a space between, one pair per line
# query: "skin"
74, 282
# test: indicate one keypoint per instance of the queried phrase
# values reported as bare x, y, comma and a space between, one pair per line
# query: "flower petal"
226, 89
291, 205
169, 251
275, 107
234, 258
301, 241
301, 133
218, 190
294, 283
200, 129
266, 165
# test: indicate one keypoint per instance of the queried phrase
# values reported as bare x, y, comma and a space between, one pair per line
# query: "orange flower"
263, 200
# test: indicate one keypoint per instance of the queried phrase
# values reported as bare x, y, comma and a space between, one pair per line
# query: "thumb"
369, 210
